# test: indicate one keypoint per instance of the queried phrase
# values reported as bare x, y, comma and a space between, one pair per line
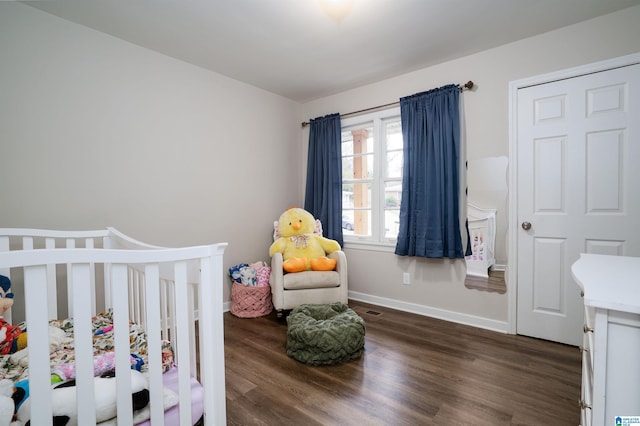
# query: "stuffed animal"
301, 248
6, 409
7, 406
63, 399
57, 339
10, 398
12, 338
8, 333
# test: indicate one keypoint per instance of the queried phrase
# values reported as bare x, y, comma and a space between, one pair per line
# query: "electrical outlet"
406, 278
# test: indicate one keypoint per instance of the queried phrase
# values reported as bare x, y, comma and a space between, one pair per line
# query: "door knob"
526, 226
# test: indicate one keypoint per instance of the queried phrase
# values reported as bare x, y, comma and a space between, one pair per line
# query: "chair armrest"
276, 280
341, 265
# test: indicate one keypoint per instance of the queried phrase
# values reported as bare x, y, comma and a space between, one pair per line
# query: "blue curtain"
429, 210
323, 196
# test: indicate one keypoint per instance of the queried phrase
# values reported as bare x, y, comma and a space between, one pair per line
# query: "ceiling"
294, 49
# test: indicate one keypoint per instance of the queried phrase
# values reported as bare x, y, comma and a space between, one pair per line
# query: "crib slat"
164, 310
38, 348
52, 288
71, 243
121, 342
131, 289
172, 316
182, 325
85, 395
152, 300
212, 337
143, 303
92, 266
4, 243
4, 246
191, 306
27, 243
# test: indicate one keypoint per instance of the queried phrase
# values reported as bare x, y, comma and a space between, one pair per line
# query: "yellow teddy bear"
302, 249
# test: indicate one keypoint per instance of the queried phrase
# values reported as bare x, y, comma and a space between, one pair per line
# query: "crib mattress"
172, 415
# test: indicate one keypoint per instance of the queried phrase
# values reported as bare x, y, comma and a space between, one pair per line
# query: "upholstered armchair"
289, 290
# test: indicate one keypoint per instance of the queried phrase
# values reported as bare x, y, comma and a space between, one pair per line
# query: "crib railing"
161, 289
30, 239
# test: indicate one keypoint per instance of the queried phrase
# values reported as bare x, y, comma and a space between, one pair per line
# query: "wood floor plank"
493, 284
415, 371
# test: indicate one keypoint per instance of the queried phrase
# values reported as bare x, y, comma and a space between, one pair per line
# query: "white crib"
174, 294
482, 233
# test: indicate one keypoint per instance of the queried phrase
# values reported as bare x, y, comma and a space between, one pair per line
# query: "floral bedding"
102, 342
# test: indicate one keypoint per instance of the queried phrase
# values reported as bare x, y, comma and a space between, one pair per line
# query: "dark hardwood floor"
415, 371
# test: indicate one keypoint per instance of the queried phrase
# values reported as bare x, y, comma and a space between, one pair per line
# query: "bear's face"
296, 221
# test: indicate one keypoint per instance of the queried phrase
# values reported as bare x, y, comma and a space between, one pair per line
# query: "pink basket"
250, 301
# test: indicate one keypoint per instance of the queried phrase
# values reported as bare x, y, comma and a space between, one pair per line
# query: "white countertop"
609, 282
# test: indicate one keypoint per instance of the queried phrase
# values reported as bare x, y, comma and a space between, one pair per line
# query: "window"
372, 177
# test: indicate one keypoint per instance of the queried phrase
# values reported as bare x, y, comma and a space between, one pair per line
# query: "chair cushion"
311, 279
324, 334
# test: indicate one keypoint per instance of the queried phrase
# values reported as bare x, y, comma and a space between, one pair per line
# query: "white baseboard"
457, 317
443, 314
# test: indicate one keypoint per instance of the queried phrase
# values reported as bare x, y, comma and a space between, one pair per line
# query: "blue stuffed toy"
6, 296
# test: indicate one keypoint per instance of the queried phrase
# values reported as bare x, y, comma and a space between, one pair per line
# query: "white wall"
438, 286
97, 132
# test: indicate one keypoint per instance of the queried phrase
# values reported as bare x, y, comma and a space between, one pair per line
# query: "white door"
578, 163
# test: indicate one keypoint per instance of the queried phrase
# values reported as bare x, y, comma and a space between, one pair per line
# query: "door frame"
512, 226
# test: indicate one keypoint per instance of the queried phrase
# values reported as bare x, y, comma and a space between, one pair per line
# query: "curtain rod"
467, 86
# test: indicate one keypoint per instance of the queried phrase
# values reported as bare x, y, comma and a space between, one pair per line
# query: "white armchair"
289, 290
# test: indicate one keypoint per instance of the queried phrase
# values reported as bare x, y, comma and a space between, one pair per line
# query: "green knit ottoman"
324, 334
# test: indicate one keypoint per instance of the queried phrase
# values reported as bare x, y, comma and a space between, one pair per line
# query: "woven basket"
250, 301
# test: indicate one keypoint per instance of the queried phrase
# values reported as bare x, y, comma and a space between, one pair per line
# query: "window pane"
347, 221
347, 196
393, 147
363, 167
356, 195
391, 223
347, 168
356, 222
393, 134
356, 209
392, 193
358, 167
362, 195
347, 143
357, 140
395, 161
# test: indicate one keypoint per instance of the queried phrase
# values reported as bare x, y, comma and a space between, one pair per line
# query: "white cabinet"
611, 342
586, 400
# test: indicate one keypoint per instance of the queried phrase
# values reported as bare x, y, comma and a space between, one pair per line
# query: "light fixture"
336, 9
